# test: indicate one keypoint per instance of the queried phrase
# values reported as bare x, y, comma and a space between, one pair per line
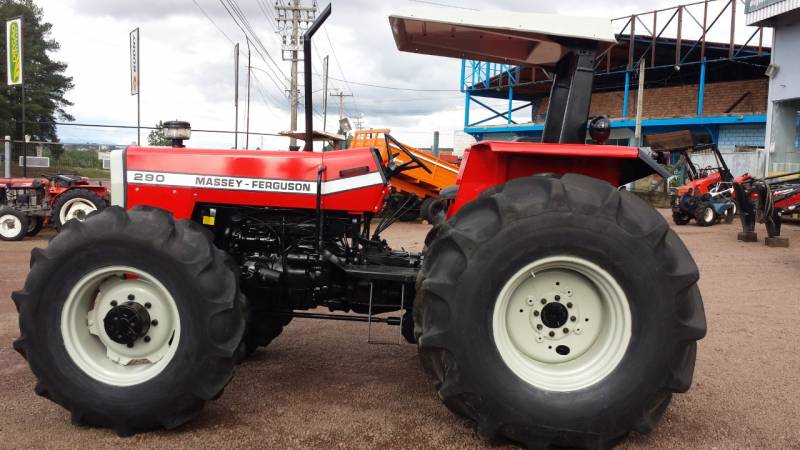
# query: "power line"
133, 127
267, 59
212, 21
339, 65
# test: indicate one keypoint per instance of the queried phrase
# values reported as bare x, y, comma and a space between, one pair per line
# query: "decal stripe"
251, 184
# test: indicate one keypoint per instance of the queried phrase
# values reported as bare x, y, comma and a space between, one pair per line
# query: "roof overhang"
498, 36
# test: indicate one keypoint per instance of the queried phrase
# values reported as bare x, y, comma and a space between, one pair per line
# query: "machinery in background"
27, 204
708, 197
768, 199
415, 192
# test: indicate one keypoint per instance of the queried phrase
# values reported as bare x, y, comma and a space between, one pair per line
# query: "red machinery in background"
27, 204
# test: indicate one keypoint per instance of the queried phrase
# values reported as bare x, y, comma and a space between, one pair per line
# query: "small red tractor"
27, 204
549, 307
708, 197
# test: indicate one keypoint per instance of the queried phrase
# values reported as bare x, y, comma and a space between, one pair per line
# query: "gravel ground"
321, 385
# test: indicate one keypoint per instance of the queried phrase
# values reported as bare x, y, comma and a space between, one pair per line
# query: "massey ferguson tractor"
548, 307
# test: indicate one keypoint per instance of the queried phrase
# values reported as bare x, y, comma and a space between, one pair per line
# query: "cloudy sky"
187, 66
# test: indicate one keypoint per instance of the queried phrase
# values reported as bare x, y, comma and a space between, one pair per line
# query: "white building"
783, 109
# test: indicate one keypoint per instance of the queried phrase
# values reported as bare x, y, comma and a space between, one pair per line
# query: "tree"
45, 82
157, 138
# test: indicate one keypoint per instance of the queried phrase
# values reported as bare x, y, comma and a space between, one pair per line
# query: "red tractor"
548, 306
27, 204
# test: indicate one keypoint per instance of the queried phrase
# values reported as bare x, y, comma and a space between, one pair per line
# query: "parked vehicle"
53, 199
549, 308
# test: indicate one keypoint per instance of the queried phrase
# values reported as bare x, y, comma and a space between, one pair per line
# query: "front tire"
130, 320
555, 379
13, 224
705, 216
680, 218
35, 225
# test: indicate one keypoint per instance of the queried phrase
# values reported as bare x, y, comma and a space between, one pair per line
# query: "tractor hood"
498, 36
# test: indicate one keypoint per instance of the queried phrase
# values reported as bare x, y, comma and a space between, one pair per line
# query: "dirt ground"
321, 385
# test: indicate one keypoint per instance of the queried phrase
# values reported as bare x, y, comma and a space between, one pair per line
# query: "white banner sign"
134, 61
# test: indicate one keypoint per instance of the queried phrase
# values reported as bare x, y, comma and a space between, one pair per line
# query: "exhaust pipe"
309, 104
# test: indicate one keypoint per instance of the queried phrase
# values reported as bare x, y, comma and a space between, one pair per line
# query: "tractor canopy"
525, 39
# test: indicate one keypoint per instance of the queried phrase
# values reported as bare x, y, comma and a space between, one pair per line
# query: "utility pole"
325, 94
249, 68
639, 104
341, 96
359, 122
236, 95
293, 19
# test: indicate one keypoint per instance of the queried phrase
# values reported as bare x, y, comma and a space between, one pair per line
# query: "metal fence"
31, 159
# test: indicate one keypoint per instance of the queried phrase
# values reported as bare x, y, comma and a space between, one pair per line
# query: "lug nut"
558, 297
131, 297
566, 330
573, 318
147, 338
544, 301
113, 303
130, 345
536, 313
569, 305
539, 326
155, 322
147, 305
552, 333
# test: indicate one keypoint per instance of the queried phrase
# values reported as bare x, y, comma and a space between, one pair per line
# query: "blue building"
717, 90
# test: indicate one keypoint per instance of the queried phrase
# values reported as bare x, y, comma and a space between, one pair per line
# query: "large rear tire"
75, 204
558, 312
131, 320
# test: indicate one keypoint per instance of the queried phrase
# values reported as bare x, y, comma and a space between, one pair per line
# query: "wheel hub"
127, 322
554, 315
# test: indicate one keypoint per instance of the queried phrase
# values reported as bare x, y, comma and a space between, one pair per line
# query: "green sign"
14, 51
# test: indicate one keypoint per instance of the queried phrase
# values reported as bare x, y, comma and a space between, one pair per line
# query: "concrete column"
8, 157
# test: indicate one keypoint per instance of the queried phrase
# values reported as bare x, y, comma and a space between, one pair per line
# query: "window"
797, 129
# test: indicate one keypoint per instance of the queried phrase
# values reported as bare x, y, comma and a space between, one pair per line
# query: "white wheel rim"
708, 215
92, 349
76, 208
596, 332
10, 226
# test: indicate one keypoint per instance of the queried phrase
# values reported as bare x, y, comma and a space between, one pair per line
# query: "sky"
187, 67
